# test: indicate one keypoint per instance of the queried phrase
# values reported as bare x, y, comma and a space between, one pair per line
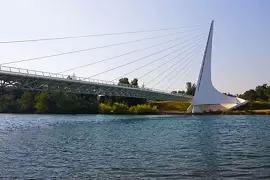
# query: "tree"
250, 95
120, 107
191, 88
268, 92
262, 92
8, 103
123, 81
134, 82
229, 94
181, 92
72, 77
14, 101
26, 102
42, 102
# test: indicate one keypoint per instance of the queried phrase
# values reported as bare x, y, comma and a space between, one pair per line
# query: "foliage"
8, 103
229, 94
130, 101
143, 109
191, 88
134, 82
105, 108
171, 105
181, 92
146, 108
26, 102
42, 102
18, 101
123, 81
255, 105
120, 108
260, 93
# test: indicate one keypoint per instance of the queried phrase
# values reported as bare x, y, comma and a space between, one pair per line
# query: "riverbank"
237, 112
254, 112
27, 102
174, 108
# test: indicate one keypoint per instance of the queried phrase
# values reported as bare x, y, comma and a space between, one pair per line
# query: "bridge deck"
25, 79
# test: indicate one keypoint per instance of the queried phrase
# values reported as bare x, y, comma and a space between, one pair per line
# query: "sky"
241, 44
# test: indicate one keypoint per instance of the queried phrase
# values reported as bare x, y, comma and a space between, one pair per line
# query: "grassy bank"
251, 108
248, 112
122, 108
255, 105
177, 108
151, 107
170, 106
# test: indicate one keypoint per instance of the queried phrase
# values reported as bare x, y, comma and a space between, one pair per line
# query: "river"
134, 147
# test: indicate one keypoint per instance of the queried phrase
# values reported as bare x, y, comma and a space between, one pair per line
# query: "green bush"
260, 105
171, 105
256, 105
143, 109
120, 108
42, 102
132, 109
105, 108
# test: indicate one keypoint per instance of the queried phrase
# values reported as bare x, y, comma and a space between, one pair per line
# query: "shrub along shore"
28, 102
121, 108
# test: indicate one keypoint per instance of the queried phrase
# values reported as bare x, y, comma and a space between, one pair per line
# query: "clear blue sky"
241, 55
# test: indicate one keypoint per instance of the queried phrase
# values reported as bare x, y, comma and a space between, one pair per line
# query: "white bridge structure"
18, 78
206, 98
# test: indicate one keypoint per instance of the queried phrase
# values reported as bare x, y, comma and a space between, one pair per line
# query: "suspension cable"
189, 63
121, 55
89, 49
175, 67
164, 63
183, 72
136, 60
93, 35
151, 62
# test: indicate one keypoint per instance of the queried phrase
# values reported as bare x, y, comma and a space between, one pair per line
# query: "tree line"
125, 80
260, 93
123, 108
190, 89
19, 101
22, 101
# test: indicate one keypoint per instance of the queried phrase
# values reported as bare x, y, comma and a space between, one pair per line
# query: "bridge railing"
70, 78
58, 75
53, 75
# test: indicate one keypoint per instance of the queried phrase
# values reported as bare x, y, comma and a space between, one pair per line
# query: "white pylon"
207, 97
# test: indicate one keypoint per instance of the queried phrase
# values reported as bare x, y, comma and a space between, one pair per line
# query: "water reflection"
129, 147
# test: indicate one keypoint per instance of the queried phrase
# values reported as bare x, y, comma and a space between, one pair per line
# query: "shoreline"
249, 112
238, 112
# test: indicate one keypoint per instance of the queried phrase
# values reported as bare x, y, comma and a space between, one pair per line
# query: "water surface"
134, 147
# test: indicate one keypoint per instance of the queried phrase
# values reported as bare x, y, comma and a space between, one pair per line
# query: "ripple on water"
130, 147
